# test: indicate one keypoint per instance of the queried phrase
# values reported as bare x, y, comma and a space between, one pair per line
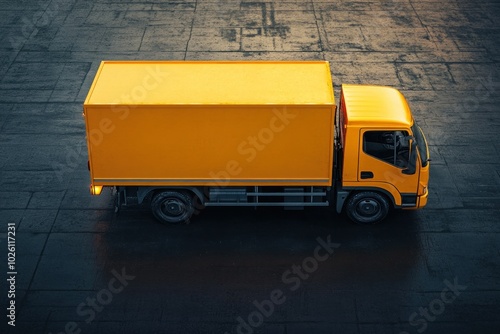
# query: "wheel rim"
173, 207
368, 207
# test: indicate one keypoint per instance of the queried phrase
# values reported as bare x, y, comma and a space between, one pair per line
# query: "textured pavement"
81, 269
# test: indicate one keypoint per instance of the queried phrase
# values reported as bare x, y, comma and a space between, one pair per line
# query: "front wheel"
367, 207
173, 207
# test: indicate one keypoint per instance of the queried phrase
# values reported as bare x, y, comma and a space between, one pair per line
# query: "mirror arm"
412, 164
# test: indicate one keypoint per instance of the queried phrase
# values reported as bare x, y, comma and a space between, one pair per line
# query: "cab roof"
212, 82
375, 106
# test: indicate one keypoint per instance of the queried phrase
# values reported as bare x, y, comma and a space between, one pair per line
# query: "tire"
172, 207
367, 207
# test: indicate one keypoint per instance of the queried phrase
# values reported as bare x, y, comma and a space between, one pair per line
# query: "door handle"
366, 175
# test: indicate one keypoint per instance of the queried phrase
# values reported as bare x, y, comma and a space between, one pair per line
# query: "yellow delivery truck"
181, 135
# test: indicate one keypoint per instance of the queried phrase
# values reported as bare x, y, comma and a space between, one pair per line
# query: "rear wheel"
367, 207
173, 207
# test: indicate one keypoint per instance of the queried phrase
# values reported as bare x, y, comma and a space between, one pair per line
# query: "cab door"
384, 162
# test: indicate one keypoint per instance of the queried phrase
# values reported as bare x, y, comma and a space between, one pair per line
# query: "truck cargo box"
174, 123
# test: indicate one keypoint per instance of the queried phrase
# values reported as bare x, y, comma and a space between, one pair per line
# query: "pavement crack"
191, 30
320, 41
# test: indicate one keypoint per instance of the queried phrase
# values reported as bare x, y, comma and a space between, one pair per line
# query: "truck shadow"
234, 246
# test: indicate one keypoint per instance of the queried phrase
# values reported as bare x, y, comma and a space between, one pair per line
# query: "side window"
388, 146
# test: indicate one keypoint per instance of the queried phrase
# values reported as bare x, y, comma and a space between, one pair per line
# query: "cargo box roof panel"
211, 82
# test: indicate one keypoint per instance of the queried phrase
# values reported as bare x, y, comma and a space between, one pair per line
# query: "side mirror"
412, 162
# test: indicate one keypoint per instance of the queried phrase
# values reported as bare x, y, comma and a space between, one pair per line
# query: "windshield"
421, 144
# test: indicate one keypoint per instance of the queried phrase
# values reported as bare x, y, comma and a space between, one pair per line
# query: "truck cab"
382, 153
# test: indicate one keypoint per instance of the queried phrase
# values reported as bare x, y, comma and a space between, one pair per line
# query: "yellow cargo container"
231, 133
149, 123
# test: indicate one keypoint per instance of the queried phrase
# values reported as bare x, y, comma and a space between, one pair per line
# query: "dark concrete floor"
201, 278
